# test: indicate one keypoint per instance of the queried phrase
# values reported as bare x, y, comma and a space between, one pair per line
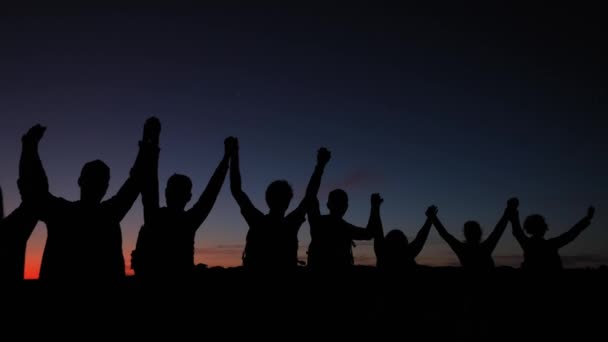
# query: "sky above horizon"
457, 107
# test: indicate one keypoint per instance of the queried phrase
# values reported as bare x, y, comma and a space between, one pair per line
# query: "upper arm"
496, 234
360, 233
571, 234
249, 211
119, 205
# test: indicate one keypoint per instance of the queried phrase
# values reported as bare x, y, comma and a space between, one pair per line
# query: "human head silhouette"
178, 191
93, 181
278, 196
396, 244
472, 232
535, 225
337, 202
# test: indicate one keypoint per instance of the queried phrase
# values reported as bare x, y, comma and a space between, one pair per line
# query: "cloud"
355, 179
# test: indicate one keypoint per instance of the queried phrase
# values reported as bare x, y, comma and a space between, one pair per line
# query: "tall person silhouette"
272, 239
542, 254
332, 237
84, 239
165, 245
394, 253
474, 254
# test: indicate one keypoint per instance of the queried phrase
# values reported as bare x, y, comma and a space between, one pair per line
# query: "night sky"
461, 107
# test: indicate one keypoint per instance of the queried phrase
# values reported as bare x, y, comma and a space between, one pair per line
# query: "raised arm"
32, 177
308, 202
313, 211
121, 203
494, 237
203, 206
518, 233
445, 235
423, 234
149, 171
236, 187
571, 234
377, 230
374, 224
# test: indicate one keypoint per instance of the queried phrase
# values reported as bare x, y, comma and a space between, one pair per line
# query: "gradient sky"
461, 107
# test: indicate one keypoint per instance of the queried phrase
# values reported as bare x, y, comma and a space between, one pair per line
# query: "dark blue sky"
462, 107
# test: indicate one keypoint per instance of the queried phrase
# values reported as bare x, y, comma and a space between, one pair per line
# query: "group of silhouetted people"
84, 239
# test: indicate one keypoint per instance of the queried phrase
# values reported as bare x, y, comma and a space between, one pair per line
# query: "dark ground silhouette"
436, 303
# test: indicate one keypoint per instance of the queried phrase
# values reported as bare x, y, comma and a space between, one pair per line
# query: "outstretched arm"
423, 234
571, 234
121, 203
494, 237
149, 171
445, 235
313, 211
239, 195
323, 156
203, 206
374, 223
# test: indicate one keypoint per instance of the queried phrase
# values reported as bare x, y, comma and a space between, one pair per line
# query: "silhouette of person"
331, 236
165, 245
474, 254
84, 240
272, 239
542, 254
393, 252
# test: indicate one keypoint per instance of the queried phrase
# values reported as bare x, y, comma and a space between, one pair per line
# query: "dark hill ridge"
433, 302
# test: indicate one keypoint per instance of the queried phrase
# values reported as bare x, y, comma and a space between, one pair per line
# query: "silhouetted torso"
403, 260
166, 245
272, 242
83, 241
15, 230
541, 254
332, 241
475, 257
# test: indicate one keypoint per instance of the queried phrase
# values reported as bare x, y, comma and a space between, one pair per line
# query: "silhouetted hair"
95, 170
279, 194
180, 183
396, 240
535, 225
337, 201
472, 231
